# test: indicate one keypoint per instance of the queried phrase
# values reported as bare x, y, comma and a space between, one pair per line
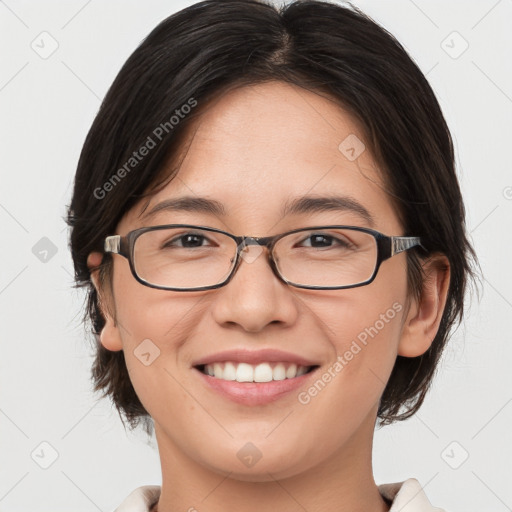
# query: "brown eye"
187, 241
322, 240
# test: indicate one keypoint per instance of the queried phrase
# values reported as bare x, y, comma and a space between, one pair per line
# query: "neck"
342, 483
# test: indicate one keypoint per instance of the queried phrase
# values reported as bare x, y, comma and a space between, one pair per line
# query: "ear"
424, 315
110, 336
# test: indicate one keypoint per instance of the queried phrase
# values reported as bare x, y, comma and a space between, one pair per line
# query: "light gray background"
46, 108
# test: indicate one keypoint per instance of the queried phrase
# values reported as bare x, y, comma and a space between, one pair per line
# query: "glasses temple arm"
112, 244
402, 243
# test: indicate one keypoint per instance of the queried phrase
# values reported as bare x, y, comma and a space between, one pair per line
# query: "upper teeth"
263, 372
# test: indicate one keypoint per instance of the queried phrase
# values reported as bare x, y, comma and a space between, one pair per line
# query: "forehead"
256, 148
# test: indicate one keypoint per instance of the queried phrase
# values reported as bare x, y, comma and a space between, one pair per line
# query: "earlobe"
110, 336
424, 315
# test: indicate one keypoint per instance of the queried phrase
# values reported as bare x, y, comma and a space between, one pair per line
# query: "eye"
187, 241
322, 240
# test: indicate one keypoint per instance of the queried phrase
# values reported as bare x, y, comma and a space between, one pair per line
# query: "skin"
315, 456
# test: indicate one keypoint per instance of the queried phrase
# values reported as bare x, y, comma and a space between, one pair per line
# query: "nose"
255, 297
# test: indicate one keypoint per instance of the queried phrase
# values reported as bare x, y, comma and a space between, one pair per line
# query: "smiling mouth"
262, 372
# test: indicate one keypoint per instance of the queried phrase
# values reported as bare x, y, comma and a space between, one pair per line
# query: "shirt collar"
406, 496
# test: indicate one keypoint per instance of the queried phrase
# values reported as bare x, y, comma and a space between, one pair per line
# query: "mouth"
254, 373
254, 384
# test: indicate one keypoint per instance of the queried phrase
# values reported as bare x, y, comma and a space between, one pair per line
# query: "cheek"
346, 391
148, 313
363, 326
153, 324
368, 349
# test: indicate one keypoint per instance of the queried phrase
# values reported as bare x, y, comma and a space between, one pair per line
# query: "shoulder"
407, 496
141, 499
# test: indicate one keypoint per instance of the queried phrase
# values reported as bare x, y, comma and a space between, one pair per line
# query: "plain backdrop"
61, 448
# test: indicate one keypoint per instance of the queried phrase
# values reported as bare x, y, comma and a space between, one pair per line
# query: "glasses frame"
387, 247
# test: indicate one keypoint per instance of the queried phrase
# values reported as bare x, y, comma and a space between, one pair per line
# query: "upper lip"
254, 357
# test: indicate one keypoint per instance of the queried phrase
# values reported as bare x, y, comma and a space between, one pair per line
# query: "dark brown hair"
213, 46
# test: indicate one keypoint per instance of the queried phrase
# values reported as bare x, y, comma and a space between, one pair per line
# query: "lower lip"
254, 393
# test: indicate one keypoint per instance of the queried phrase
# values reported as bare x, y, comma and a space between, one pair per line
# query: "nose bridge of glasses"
255, 240
250, 256
260, 242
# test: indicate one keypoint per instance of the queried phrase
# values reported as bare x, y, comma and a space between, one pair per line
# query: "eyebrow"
314, 204
188, 204
299, 205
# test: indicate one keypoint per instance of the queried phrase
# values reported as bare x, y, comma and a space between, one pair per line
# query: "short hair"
214, 46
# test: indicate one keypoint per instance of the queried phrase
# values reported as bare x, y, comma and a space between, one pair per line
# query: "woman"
268, 220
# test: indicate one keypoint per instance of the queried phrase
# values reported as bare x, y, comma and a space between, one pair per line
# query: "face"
255, 149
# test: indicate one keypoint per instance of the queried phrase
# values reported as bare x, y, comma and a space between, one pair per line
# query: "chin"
265, 469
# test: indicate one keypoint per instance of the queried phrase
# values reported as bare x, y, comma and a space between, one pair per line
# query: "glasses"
184, 257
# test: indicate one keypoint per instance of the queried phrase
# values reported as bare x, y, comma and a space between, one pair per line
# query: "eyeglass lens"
191, 257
